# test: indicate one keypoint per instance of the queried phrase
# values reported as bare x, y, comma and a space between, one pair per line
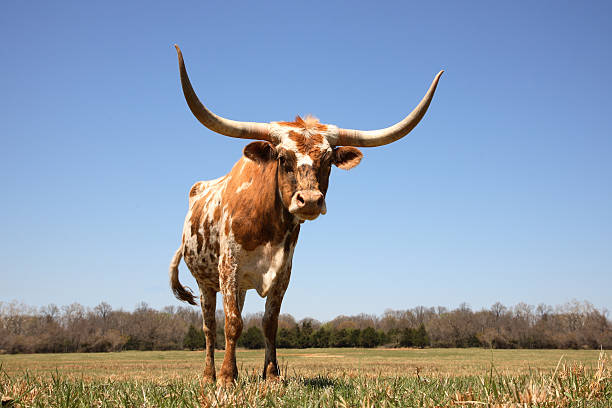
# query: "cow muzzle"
307, 204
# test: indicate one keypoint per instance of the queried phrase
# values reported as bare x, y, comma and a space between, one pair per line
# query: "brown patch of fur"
196, 216
206, 229
257, 213
195, 189
308, 123
307, 178
306, 144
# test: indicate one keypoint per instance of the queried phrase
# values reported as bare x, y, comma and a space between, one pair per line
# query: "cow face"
303, 157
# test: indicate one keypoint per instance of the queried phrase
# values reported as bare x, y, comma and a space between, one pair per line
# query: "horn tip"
177, 48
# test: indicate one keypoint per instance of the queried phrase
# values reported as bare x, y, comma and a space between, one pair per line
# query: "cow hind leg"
208, 301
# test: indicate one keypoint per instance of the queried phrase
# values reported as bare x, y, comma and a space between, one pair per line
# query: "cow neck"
254, 204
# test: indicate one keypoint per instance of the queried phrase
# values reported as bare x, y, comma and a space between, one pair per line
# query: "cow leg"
270, 327
233, 324
208, 301
241, 298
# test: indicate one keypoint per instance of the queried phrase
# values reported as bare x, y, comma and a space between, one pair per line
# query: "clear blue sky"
502, 193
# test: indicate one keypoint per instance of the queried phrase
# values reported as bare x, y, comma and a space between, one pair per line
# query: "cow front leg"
241, 298
233, 327
270, 326
208, 301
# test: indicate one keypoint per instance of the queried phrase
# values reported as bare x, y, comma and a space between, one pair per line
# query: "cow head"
304, 150
304, 157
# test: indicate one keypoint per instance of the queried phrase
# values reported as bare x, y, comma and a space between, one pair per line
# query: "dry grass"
332, 377
388, 362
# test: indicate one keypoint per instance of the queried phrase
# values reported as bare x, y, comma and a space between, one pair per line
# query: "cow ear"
260, 151
347, 157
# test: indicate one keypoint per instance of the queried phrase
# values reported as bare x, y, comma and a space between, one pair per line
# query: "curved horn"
372, 138
227, 127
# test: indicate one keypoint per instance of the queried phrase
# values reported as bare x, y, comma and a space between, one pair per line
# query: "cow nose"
300, 200
304, 198
309, 202
309, 198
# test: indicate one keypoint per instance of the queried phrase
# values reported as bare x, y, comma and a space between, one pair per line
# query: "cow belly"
261, 268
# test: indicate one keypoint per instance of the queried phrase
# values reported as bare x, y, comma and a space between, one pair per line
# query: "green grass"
314, 377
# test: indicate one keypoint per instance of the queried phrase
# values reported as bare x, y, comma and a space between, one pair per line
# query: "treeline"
76, 328
303, 335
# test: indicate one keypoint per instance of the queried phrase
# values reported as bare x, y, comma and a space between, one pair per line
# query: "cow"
241, 230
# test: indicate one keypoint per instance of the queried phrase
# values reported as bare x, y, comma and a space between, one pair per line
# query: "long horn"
227, 127
372, 138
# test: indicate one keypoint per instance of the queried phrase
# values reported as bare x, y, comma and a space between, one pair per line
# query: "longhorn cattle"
241, 229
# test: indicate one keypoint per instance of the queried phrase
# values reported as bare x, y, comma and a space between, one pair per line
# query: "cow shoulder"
257, 216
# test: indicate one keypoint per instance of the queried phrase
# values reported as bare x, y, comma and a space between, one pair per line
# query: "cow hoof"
226, 378
208, 379
271, 372
272, 378
225, 381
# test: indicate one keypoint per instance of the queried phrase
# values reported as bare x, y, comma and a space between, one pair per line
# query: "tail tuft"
182, 293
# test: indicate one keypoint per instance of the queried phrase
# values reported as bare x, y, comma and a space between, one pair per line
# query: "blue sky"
502, 193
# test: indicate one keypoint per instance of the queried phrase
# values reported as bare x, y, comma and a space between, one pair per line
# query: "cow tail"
181, 293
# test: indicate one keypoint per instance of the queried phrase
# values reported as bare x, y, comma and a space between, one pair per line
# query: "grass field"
314, 377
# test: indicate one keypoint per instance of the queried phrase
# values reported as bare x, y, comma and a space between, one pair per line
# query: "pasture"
314, 377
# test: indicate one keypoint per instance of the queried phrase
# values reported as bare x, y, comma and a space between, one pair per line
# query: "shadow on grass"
324, 382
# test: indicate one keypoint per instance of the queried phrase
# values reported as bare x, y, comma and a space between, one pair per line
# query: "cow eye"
285, 164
